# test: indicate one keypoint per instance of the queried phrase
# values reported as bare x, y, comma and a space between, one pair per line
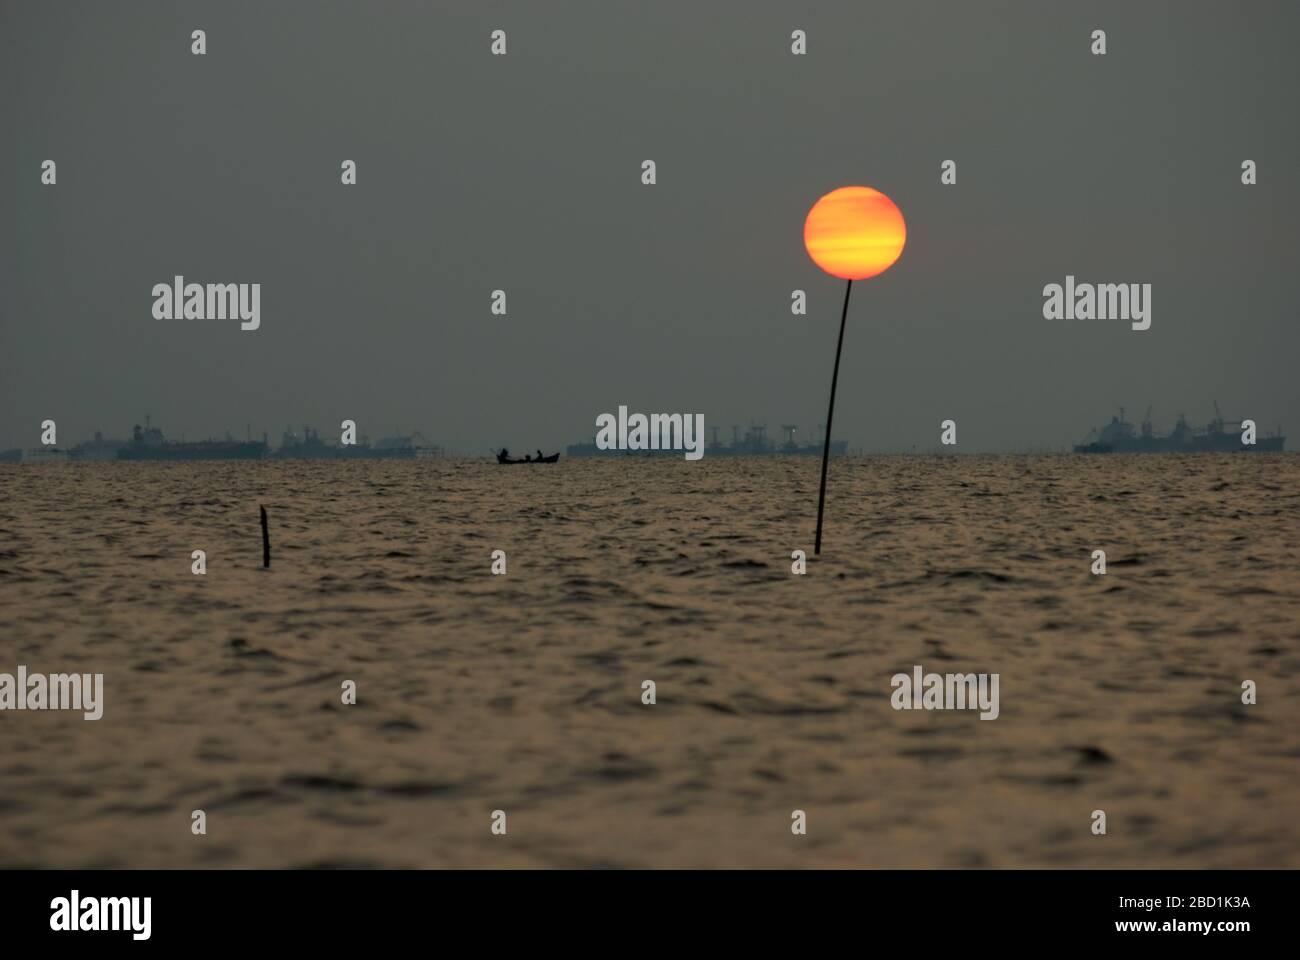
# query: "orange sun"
854, 233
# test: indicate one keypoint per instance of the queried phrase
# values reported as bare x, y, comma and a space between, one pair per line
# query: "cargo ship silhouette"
309, 446
148, 443
1119, 436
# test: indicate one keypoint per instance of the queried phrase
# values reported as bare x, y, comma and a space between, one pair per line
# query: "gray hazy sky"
522, 172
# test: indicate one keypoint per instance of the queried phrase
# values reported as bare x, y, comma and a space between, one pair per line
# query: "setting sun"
854, 233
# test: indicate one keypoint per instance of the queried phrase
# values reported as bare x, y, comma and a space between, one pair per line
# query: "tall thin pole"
266, 542
830, 416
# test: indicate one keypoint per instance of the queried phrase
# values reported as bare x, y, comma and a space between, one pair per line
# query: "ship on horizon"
1119, 436
100, 448
148, 443
309, 446
754, 443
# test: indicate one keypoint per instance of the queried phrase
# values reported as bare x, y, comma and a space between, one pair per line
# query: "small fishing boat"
503, 456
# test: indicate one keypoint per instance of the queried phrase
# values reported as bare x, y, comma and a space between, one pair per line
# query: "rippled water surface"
522, 692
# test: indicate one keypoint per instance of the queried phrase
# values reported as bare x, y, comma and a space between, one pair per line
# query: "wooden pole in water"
266, 542
830, 416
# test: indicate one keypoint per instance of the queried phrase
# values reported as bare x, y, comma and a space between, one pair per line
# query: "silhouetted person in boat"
527, 458
539, 455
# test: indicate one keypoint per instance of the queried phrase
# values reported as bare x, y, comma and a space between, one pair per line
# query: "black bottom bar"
970, 911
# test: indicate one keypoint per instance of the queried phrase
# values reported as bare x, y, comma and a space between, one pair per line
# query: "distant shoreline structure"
148, 443
20, 457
